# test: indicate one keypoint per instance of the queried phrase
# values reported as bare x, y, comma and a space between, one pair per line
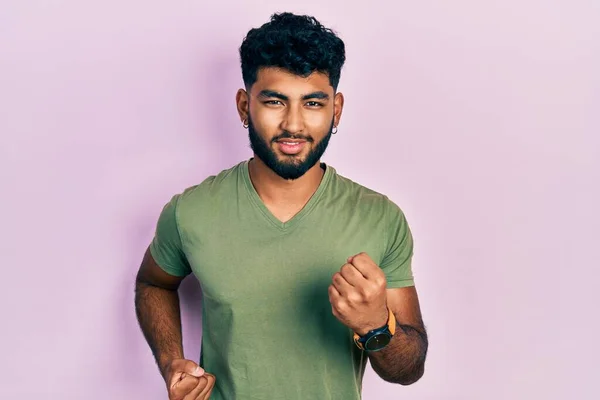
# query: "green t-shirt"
268, 329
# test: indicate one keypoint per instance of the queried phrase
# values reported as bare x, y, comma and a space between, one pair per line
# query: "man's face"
290, 120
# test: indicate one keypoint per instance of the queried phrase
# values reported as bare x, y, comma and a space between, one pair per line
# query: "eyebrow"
314, 95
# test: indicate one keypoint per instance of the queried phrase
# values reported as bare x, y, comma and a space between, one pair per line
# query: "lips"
291, 146
291, 141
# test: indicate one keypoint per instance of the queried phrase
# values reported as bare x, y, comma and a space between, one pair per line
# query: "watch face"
378, 342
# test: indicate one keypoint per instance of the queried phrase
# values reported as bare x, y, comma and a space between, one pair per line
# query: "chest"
244, 263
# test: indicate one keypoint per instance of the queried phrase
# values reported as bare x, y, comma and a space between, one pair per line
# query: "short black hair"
296, 43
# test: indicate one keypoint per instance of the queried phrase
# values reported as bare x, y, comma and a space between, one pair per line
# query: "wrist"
377, 338
382, 320
164, 363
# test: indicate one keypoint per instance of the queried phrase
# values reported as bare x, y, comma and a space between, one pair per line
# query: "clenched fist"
187, 381
358, 294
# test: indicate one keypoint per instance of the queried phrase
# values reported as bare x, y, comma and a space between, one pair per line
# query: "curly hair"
296, 43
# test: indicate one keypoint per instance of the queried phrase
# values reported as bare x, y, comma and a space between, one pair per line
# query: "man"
305, 274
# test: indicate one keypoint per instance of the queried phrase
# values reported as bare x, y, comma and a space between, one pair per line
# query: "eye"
273, 102
314, 104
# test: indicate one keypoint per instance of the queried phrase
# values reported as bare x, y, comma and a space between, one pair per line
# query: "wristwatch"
377, 339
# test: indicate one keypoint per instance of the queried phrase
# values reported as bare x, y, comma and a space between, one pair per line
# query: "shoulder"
213, 188
363, 197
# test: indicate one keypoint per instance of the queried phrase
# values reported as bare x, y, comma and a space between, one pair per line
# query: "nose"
293, 120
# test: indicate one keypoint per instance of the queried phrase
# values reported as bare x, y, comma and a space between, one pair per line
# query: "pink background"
480, 118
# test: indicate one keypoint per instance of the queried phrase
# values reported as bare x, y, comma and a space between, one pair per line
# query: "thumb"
193, 369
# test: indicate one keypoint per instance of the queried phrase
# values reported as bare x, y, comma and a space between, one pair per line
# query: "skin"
360, 300
281, 102
158, 313
305, 113
301, 107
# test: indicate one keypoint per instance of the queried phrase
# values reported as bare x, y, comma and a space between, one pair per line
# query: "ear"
243, 105
338, 106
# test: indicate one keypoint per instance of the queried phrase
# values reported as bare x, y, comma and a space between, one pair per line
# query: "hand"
358, 294
187, 381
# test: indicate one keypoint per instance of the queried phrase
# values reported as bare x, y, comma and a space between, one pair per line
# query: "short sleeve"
166, 247
397, 261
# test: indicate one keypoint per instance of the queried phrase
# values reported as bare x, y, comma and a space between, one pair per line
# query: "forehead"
287, 83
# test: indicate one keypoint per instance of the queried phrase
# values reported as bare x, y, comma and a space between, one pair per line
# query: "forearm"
403, 359
159, 317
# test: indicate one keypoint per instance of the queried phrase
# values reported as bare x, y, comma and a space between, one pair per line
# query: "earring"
334, 130
245, 124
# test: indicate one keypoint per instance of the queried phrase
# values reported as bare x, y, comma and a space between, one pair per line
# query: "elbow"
407, 379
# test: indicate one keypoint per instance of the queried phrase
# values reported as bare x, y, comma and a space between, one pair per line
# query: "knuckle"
364, 295
355, 297
341, 305
335, 311
333, 303
332, 296
371, 293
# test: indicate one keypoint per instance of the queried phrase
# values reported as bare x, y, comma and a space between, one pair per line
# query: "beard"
291, 167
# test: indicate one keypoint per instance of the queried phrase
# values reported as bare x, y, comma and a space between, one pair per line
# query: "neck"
273, 189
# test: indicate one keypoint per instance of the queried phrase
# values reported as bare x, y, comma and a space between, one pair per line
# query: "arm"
360, 300
403, 359
158, 313
163, 267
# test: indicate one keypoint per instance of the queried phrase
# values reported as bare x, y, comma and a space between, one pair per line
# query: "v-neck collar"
255, 198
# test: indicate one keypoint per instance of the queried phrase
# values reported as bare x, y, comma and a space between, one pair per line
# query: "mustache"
287, 135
